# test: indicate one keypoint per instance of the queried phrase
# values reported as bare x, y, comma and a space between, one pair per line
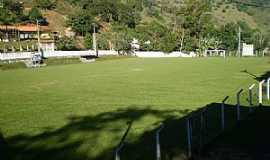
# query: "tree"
122, 43
104, 40
12, 12
168, 43
88, 41
66, 44
149, 3
34, 14
122, 38
228, 36
190, 43
44, 4
81, 22
105, 9
196, 18
6, 17
260, 40
15, 6
128, 15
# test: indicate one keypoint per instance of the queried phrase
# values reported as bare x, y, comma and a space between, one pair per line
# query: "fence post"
201, 130
268, 88
189, 137
238, 104
158, 142
223, 113
118, 149
250, 97
261, 92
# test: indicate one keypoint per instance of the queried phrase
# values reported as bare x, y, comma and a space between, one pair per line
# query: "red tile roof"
25, 28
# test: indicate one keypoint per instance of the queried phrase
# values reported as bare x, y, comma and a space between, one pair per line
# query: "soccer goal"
215, 53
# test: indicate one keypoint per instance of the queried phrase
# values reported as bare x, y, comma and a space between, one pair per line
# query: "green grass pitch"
80, 111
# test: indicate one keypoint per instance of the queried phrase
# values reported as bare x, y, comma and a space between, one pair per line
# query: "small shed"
248, 50
47, 45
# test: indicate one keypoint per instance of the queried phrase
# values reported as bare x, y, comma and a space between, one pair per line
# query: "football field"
82, 111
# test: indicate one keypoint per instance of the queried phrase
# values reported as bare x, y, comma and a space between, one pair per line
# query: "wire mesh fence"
191, 133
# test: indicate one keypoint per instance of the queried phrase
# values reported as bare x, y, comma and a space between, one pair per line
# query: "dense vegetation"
12, 11
191, 22
187, 25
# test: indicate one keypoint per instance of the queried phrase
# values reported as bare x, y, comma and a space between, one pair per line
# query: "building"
21, 32
248, 50
29, 32
47, 45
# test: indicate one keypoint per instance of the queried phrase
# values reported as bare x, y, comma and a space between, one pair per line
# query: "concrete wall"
28, 55
15, 56
160, 54
67, 54
79, 53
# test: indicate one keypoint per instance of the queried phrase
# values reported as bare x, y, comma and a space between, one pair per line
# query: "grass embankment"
8, 66
76, 60
61, 61
81, 111
106, 58
57, 61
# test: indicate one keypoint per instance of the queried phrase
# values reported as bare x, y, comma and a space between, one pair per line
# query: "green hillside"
168, 24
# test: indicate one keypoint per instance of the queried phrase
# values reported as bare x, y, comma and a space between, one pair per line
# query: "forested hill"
164, 24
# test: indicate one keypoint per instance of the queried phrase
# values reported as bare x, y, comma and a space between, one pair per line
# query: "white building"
248, 50
47, 45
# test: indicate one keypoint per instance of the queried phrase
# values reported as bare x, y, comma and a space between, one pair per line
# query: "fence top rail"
240, 91
119, 147
160, 128
225, 99
252, 86
198, 112
262, 81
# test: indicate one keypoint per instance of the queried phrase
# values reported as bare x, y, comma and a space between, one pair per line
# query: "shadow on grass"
265, 76
249, 139
79, 137
65, 143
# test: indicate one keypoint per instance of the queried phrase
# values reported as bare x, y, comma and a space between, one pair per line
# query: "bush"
34, 14
82, 22
88, 41
66, 44
45, 4
168, 43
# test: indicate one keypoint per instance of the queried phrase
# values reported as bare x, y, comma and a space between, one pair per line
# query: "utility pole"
182, 40
239, 42
38, 36
95, 40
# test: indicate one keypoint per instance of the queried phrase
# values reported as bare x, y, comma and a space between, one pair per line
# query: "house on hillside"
21, 32
29, 32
